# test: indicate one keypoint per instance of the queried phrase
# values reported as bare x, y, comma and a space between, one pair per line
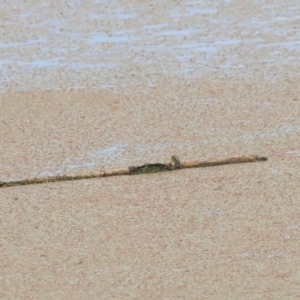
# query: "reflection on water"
92, 44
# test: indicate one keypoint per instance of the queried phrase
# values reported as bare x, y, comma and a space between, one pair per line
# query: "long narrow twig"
147, 168
226, 161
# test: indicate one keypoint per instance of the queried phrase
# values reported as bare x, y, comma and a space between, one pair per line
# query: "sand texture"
222, 232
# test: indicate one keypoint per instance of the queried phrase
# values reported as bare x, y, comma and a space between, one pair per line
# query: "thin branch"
145, 169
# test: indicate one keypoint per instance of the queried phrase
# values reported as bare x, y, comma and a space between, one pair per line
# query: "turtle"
155, 168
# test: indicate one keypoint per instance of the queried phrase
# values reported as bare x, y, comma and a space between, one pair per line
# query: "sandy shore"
227, 232
89, 88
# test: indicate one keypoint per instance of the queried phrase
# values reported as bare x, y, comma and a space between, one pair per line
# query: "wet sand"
223, 232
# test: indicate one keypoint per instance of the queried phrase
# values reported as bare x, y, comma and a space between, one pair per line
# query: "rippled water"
110, 44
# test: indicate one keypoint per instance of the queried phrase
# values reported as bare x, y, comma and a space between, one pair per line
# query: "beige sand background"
228, 232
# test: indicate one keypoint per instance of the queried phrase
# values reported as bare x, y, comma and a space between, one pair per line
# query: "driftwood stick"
62, 178
147, 168
226, 161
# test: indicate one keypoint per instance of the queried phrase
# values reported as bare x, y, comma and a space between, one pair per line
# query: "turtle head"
175, 162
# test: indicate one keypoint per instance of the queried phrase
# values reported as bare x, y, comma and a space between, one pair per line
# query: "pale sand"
225, 82
228, 232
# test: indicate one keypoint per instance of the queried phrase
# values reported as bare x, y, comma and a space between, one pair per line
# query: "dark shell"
149, 168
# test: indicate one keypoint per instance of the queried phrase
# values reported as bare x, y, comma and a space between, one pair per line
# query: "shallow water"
113, 44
